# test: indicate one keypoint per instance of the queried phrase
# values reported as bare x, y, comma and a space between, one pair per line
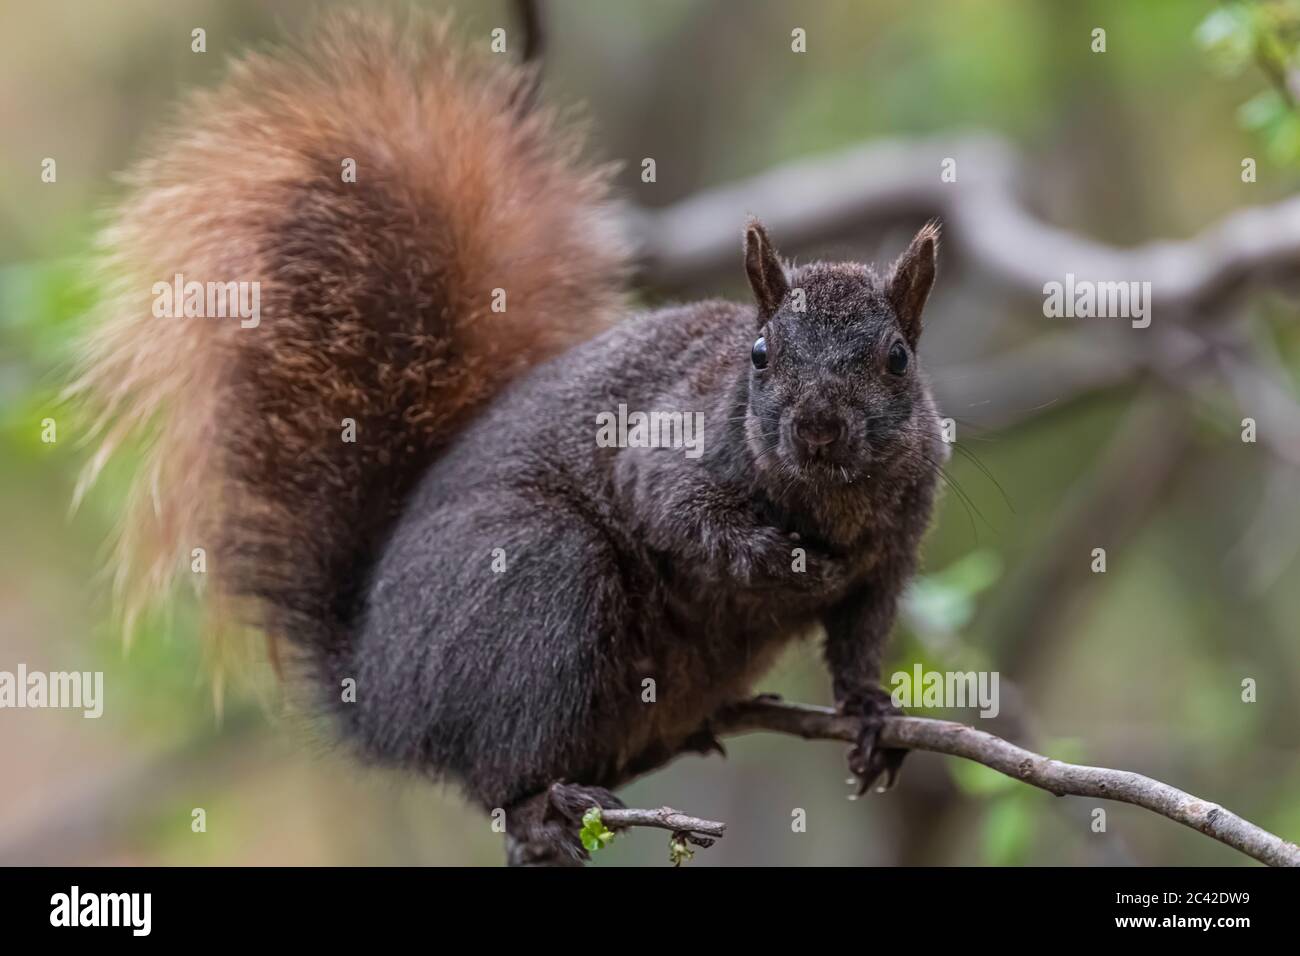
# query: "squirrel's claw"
867, 760
704, 742
709, 744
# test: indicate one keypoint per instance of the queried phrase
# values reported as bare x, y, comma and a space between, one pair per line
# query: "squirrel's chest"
702, 646
729, 634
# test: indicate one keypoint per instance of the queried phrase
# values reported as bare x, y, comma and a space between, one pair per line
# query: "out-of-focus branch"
958, 740
883, 182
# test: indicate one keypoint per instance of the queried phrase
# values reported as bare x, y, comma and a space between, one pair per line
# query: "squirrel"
495, 584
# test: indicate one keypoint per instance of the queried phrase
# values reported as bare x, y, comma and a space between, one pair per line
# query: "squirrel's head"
835, 388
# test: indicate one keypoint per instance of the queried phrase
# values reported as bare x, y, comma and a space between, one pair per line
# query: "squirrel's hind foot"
543, 829
867, 759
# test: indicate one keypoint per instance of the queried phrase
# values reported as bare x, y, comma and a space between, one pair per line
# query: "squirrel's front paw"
762, 557
768, 557
814, 569
867, 760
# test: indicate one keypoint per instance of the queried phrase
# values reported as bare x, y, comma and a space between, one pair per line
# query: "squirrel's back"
471, 243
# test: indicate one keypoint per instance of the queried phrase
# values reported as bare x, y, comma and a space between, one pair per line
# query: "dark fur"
625, 564
374, 559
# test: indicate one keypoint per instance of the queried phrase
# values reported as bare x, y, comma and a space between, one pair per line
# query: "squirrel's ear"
766, 274
911, 278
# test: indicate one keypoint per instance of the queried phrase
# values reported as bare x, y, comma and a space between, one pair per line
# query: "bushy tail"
416, 240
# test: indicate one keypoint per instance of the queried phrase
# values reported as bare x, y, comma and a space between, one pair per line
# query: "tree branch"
697, 831
888, 181
958, 740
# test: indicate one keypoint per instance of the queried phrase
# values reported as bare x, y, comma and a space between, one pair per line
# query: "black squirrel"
402, 484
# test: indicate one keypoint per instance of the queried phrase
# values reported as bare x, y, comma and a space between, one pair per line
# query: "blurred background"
1140, 667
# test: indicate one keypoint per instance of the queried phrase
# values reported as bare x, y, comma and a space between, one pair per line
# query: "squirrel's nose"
818, 431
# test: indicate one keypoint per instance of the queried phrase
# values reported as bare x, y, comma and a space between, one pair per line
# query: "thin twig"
700, 832
958, 740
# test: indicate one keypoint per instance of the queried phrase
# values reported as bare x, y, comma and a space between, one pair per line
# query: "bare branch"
883, 182
697, 831
958, 740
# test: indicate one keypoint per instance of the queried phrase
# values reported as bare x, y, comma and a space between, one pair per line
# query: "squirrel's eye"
897, 359
758, 355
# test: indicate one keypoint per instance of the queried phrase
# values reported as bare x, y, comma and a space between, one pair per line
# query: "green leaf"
1228, 35
594, 834
1274, 119
1263, 110
679, 851
944, 602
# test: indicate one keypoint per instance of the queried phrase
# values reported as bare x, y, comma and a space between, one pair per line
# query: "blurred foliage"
943, 602
1264, 34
